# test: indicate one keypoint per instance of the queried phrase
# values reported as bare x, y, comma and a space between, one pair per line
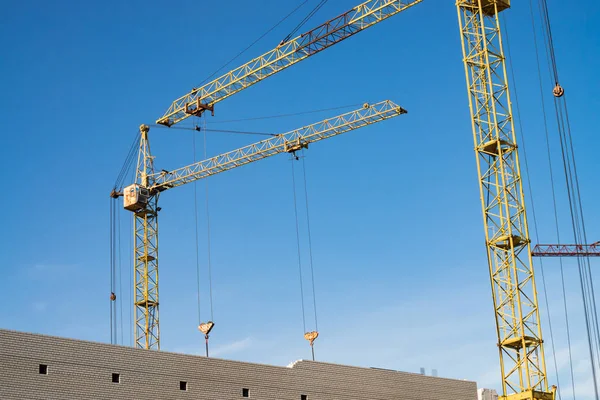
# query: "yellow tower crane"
142, 197
283, 56
514, 293
520, 344
204, 98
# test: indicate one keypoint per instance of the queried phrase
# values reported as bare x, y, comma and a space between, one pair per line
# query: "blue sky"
401, 275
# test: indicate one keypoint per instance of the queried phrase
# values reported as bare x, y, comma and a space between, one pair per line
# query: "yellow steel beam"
282, 143
145, 257
286, 54
520, 343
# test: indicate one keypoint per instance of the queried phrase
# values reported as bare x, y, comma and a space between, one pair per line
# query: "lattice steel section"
507, 237
146, 328
285, 142
286, 54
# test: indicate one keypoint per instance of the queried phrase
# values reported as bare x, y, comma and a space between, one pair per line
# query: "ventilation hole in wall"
116, 378
43, 369
245, 392
303, 397
182, 385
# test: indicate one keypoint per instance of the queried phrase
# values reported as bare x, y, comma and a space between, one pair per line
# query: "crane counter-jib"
283, 56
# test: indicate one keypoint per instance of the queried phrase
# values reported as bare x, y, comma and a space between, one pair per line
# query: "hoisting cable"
120, 271
113, 297
304, 21
253, 43
580, 237
583, 262
284, 115
575, 205
114, 276
208, 238
298, 244
197, 239
554, 204
198, 129
581, 228
116, 256
207, 326
127, 163
131, 338
530, 190
314, 334
110, 241
558, 90
203, 327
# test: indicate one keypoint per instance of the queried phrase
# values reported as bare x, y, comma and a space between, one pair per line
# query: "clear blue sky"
401, 275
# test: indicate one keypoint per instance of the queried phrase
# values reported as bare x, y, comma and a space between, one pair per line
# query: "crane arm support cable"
286, 54
282, 143
566, 250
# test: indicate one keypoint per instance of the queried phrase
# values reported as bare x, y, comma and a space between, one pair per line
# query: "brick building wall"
85, 370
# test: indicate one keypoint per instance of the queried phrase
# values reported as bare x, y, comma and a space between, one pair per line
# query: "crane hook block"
199, 108
311, 336
206, 327
294, 146
113, 296
558, 91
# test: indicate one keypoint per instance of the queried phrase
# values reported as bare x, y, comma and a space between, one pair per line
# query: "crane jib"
283, 143
283, 56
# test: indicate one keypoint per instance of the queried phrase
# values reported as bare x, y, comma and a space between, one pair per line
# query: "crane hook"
311, 337
558, 91
113, 296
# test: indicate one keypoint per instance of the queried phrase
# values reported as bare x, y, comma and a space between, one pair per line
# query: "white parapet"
487, 394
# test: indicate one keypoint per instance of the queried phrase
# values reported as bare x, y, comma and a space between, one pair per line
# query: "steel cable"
208, 238
197, 128
253, 43
310, 252
131, 294
534, 215
110, 230
125, 168
286, 115
575, 205
196, 232
304, 21
554, 203
120, 272
298, 245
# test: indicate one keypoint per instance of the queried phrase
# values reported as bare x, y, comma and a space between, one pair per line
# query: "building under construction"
43, 367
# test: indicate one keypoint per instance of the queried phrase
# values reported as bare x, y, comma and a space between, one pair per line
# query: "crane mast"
520, 343
146, 328
142, 197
